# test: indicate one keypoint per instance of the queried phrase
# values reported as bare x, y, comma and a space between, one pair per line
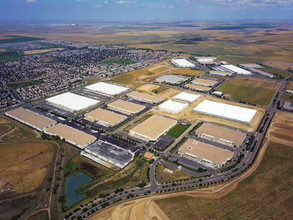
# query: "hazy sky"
90, 10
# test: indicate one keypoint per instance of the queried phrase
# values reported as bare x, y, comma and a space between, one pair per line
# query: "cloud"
81, 0
30, 1
125, 2
97, 6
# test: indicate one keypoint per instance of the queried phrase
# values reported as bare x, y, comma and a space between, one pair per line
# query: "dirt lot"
279, 64
187, 71
31, 52
23, 164
281, 128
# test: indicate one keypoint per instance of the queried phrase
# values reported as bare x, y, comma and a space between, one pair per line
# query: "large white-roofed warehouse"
108, 89
183, 63
172, 106
105, 153
186, 97
172, 79
152, 128
72, 102
226, 111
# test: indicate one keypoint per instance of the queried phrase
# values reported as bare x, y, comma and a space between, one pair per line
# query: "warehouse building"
261, 72
204, 82
172, 79
226, 111
205, 154
108, 89
106, 153
144, 97
71, 135
182, 63
220, 73
206, 60
235, 69
250, 65
221, 134
31, 119
125, 107
172, 106
105, 117
197, 87
72, 102
152, 128
186, 97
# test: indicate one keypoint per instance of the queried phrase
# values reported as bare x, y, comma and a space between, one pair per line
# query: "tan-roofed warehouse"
105, 117
198, 88
30, 118
221, 134
152, 128
71, 135
205, 153
125, 107
145, 97
204, 82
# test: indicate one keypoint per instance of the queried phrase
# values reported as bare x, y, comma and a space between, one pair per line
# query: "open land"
257, 92
31, 52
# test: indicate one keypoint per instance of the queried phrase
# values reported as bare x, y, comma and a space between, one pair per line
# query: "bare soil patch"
31, 52
279, 64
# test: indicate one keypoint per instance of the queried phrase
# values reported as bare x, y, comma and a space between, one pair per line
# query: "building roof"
107, 88
226, 111
107, 116
262, 72
186, 97
197, 87
72, 102
204, 81
206, 151
154, 127
253, 65
181, 62
148, 155
172, 106
221, 73
236, 69
31, 118
173, 79
110, 153
127, 106
145, 96
71, 134
205, 58
234, 136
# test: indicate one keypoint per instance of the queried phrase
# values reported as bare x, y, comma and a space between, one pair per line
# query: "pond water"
72, 183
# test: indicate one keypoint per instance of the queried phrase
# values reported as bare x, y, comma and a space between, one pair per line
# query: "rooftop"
107, 116
204, 81
181, 62
31, 118
173, 79
234, 136
206, 151
227, 111
72, 102
221, 73
172, 106
107, 88
197, 87
127, 106
73, 135
110, 153
186, 97
154, 127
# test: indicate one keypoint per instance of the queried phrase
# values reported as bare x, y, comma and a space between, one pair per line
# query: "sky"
150, 10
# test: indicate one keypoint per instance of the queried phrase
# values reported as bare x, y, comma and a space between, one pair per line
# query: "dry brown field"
281, 128
31, 52
163, 176
23, 164
187, 71
279, 64
289, 85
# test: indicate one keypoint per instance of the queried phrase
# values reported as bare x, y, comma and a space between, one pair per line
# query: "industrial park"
133, 123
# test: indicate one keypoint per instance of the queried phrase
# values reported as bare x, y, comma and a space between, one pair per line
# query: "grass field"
163, 176
131, 176
187, 71
177, 130
23, 164
283, 73
289, 85
16, 38
263, 195
116, 60
249, 91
